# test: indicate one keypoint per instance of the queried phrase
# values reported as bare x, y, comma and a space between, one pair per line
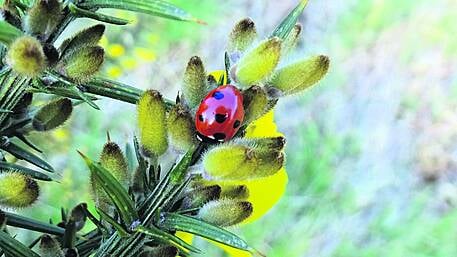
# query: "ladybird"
220, 114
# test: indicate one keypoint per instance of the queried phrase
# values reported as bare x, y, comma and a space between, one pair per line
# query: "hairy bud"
181, 128
26, 56
200, 196
160, 251
17, 190
87, 37
152, 123
52, 115
82, 64
259, 63
114, 161
255, 102
242, 36
292, 39
225, 212
78, 215
299, 76
43, 16
49, 247
239, 192
195, 85
241, 162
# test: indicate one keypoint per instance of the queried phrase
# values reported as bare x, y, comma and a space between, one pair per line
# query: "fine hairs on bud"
258, 64
82, 64
43, 17
87, 37
242, 36
49, 247
52, 115
255, 102
225, 212
114, 161
181, 127
152, 123
26, 56
239, 192
195, 85
291, 41
78, 215
200, 196
301, 75
241, 162
17, 190
160, 251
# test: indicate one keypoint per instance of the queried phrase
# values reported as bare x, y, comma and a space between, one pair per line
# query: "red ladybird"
220, 114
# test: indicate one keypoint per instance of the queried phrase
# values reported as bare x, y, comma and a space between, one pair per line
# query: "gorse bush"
208, 160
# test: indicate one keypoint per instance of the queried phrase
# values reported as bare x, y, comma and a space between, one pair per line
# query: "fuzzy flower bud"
255, 102
43, 16
195, 85
78, 216
242, 36
259, 63
239, 192
181, 128
114, 161
299, 76
26, 56
241, 162
200, 196
225, 212
49, 247
87, 37
292, 39
82, 64
52, 115
160, 251
17, 190
152, 123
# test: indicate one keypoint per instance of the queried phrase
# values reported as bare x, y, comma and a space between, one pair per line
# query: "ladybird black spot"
219, 136
200, 117
220, 118
218, 95
236, 124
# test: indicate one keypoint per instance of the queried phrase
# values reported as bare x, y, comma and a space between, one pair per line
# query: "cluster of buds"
31, 53
217, 193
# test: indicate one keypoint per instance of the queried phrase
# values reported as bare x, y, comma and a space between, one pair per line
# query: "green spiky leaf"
152, 7
30, 172
172, 221
26, 155
118, 227
18, 221
164, 237
14, 248
8, 33
96, 16
284, 28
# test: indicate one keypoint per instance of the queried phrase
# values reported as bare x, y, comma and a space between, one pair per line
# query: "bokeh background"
372, 149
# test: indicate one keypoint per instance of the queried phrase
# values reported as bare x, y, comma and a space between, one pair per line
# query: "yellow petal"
217, 74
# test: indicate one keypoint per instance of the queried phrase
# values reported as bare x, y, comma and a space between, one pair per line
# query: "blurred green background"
372, 152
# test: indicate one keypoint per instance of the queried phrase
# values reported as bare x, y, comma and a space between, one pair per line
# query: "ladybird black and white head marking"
220, 114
